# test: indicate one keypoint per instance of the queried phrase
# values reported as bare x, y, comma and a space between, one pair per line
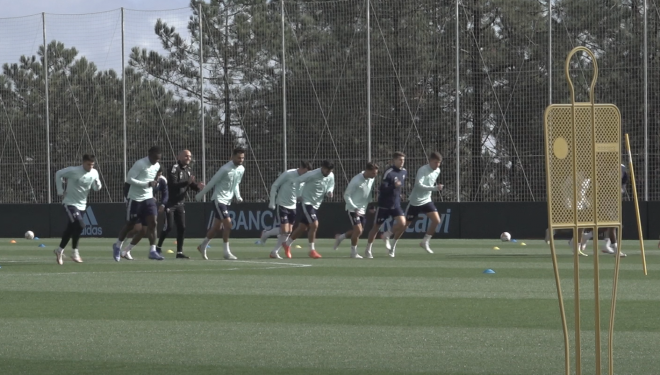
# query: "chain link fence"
345, 80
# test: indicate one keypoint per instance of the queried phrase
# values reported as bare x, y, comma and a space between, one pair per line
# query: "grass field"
414, 314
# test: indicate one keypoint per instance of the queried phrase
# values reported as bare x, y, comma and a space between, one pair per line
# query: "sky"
92, 26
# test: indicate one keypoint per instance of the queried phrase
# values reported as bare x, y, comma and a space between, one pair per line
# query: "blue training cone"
208, 246
42, 245
36, 238
514, 241
489, 271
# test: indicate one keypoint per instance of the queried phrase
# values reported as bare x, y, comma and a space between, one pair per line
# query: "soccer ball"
29, 235
505, 237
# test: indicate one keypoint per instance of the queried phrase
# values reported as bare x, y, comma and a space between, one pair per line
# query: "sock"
607, 241
225, 246
427, 238
152, 248
342, 237
280, 240
311, 246
179, 252
353, 249
387, 234
394, 246
289, 241
129, 247
60, 249
369, 244
205, 243
119, 243
272, 232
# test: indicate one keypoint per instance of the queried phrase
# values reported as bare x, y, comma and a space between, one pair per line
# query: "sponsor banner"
458, 220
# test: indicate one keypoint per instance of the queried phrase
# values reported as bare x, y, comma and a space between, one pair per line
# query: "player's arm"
331, 186
164, 192
419, 182
301, 180
171, 179
96, 185
60, 176
131, 176
352, 187
214, 180
275, 188
237, 192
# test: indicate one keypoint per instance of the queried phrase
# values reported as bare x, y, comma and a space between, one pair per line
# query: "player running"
283, 202
79, 180
179, 180
141, 206
162, 197
317, 184
357, 196
420, 198
225, 184
389, 204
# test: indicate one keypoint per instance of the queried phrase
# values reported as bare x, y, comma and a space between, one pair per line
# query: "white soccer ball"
505, 237
29, 235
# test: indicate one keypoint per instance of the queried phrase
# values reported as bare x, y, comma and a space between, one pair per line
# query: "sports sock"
272, 232
427, 238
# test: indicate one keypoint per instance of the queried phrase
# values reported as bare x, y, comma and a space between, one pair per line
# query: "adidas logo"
92, 227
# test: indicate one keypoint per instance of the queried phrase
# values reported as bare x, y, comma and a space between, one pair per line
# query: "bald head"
184, 157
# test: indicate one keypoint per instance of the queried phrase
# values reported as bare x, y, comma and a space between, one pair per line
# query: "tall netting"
23, 150
414, 85
243, 92
327, 86
84, 60
503, 96
162, 86
653, 83
616, 36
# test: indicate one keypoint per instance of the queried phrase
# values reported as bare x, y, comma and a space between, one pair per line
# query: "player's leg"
400, 225
180, 221
131, 218
348, 234
215, 225
151, 232
358, 222
169, 222
77, 227
273, 231
284, 215
379, 218
226, 231
434, 220
146, 209
66, 234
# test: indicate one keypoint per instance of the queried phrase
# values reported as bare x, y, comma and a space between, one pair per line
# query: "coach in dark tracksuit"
179, 179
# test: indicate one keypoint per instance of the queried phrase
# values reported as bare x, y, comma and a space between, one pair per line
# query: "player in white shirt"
225, 184
357, 196
141, 205
79, 180
319, 183
283, 202
420, 197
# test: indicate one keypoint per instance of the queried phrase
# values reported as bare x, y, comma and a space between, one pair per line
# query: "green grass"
414, 314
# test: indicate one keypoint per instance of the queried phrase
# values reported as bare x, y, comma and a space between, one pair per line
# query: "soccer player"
317, 184
179, 180
79, 180
389, 204
141, 206
225, 185
611, 245
160, 191
357, 196
283, 201
420, 198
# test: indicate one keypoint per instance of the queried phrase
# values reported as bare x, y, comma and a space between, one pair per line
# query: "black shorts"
412, 212
286, 215
383, 214
73, 214
140, 211
309, 214
357, 219
220, 210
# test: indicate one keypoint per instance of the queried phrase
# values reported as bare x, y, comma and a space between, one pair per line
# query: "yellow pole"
636, 200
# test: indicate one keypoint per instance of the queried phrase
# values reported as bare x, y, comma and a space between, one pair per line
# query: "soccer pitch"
415, 314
